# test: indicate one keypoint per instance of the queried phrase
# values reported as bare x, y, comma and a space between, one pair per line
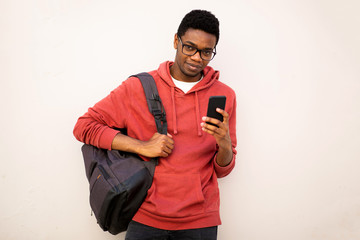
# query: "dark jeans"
138, 231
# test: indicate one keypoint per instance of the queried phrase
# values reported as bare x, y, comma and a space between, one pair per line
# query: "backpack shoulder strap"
153, 100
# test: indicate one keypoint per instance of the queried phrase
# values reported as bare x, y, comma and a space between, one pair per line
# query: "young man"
183, 201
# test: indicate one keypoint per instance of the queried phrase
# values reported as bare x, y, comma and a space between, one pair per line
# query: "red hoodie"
184, 193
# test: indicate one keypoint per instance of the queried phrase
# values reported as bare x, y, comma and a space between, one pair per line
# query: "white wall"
293, 64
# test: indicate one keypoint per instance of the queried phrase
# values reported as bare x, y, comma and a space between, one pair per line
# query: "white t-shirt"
185, 86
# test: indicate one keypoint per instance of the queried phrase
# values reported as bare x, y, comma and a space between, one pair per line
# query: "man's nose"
196, 56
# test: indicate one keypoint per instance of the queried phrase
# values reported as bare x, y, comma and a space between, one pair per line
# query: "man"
183, 201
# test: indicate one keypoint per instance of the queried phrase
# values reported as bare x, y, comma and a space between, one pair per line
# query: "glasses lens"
207, 55
189, 50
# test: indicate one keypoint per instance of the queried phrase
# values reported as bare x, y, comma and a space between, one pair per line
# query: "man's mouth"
194, 67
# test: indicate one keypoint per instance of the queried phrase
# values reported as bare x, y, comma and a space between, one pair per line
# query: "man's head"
200, 20
195, 42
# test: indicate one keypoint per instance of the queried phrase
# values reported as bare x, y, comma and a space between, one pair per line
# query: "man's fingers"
225, 115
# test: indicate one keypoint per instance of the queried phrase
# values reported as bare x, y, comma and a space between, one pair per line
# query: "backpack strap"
153, 100
155, 107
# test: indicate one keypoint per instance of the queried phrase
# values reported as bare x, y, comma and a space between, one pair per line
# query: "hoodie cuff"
224, 171
107, 138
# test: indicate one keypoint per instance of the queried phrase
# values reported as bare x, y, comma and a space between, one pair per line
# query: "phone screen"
216, 102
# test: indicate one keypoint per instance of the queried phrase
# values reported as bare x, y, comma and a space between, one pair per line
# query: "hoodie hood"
210, 76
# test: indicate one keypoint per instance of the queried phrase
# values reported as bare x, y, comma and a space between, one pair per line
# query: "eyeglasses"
206, 54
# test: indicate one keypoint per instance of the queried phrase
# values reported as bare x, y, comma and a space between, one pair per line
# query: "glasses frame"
197, 50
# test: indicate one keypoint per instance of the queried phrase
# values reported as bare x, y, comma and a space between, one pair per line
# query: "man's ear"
176, 41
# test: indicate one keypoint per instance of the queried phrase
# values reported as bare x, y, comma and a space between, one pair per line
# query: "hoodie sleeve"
96, 126
224, 171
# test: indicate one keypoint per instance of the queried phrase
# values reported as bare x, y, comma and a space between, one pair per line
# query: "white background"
294, 65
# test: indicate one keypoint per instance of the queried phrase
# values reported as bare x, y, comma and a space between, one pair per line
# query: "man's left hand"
221, 134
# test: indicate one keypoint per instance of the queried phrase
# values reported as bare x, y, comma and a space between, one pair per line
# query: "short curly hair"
201, 20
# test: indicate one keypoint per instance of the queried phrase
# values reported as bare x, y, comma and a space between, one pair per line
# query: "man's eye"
207, 53
189, 48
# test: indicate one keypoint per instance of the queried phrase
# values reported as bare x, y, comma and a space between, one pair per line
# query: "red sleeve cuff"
224, 171
107, 138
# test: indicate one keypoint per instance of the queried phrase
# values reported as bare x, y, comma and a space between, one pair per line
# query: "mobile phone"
216, 102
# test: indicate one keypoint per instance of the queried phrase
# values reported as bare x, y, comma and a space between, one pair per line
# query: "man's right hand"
159, 145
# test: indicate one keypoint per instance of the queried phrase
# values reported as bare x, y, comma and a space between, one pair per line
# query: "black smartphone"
216, 102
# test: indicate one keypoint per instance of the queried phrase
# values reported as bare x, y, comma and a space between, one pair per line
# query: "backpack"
118, 180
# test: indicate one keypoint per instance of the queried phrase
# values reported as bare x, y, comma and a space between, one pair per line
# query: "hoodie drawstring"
197, 110
174, 110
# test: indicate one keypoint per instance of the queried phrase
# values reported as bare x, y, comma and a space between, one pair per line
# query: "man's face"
192, 66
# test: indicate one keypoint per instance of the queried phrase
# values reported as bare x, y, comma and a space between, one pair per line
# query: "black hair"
201, 20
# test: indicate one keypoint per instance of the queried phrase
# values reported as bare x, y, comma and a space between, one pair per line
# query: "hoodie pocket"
176, 196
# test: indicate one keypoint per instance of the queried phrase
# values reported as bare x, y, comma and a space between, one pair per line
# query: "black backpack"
119, 181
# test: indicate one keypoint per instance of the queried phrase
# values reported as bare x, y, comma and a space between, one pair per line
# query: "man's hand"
222, 136
159, 145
